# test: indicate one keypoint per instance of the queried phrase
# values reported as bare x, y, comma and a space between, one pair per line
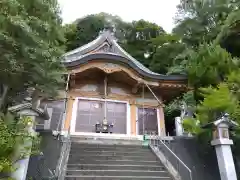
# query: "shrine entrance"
89, 112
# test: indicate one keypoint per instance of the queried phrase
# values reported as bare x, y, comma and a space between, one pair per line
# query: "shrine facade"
109, 91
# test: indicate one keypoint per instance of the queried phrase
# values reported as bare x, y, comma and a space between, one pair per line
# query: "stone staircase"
113, 162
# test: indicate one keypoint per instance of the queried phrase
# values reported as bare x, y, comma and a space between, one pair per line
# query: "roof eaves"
120, 59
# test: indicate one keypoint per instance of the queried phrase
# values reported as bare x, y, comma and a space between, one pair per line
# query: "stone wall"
201, 160
40, 165
236, 155
201, 157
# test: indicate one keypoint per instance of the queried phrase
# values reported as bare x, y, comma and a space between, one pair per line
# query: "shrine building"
112, 93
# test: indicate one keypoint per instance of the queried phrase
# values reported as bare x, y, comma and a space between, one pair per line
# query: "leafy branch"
14, 141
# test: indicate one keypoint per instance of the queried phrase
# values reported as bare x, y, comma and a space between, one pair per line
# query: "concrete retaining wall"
40, 165
201, 157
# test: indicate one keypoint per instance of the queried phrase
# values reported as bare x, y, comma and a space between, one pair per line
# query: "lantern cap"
223, 120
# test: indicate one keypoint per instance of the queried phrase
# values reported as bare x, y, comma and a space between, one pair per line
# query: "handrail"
158, 138
66, 145
175, 155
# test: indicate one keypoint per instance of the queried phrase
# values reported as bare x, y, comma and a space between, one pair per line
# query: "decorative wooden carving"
135, 88
105, 47
111, 68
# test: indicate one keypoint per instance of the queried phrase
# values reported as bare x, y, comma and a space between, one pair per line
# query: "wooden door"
147, 122
90, 112
117, 114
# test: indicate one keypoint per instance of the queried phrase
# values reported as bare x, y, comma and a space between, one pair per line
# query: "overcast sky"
158, 11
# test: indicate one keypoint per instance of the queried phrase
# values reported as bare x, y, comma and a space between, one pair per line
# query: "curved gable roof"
105, 46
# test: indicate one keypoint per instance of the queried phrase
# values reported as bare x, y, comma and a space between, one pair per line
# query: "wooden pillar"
70, 102
133, 109
162, 122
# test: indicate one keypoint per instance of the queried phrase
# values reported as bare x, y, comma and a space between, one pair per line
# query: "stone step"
102, 136
80, 145
107, 141
116, 178
114, 167
119, 172
98, 160
93, 150
110, 162
111, 157
109, 153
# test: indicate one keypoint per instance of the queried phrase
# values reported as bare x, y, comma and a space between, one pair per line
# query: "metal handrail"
60, 170
158, 138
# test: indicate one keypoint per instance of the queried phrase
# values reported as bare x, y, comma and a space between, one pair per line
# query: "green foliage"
209, 65
192, 126
233, 80
70, 36
174, 106
229, 34
216, 101
14, 141
199, 21
30, 38
139, 40
206, 27
165, 49
86, 29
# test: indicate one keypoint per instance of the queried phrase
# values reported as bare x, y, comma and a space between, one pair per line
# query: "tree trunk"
3, 96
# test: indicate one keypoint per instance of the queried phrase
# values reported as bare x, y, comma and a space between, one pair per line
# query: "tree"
165, 49
209, 30
229, 34
216, 76
86, 29
199, 21
138, 40
209, 65
70, 34
30, 44
30, 38
217, 101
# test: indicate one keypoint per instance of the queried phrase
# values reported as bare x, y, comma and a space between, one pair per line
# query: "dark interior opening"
170, 122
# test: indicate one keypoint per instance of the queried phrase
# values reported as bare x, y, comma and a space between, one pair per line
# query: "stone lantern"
222, 144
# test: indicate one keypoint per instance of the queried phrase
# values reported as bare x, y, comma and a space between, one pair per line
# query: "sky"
160, 12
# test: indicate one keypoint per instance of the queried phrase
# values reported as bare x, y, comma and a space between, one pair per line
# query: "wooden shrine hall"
111, 92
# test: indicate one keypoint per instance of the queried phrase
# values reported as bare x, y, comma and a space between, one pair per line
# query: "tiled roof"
106, 44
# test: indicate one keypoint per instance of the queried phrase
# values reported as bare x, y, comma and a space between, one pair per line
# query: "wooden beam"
135, 88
